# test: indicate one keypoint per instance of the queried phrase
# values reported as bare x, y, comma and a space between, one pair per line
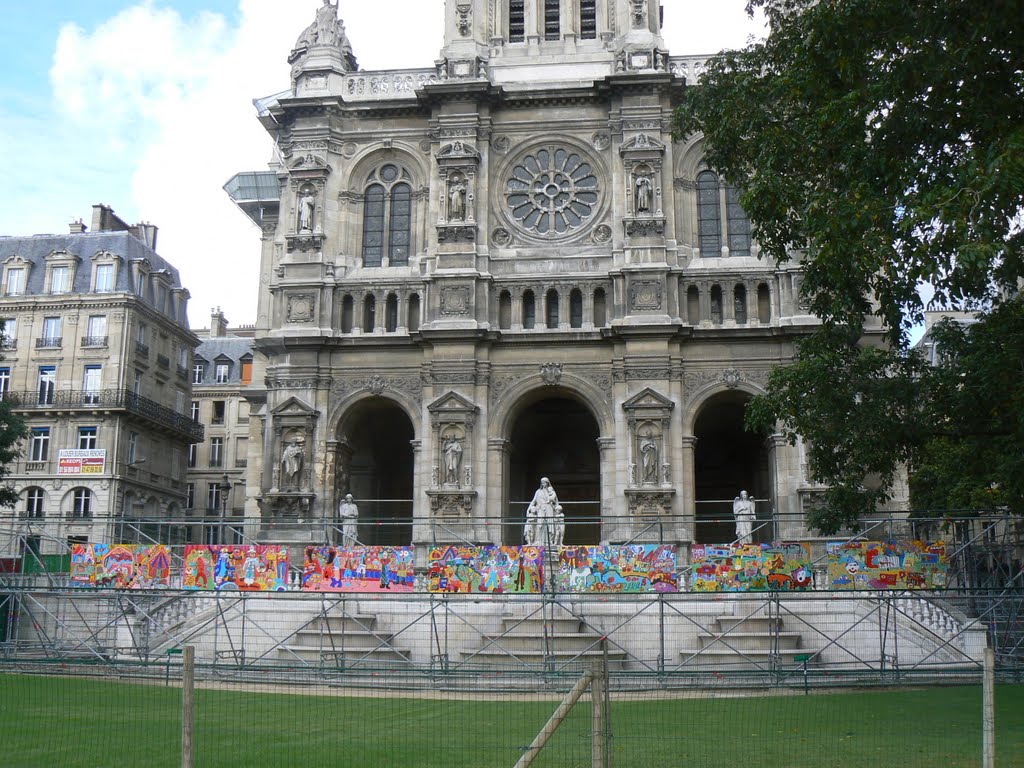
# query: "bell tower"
551, 40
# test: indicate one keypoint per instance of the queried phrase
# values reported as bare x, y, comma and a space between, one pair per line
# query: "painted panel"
488, 570
624, 568
782, 566
230, 567
358, 569
887, 565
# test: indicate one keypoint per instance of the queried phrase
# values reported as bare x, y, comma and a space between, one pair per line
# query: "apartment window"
9, 331
60, 280
179, 401
15, 282
198, 371
137, 383
552, 28
516, 21
190, 496
219, 407
246, 372
133, 447
140, 333
221, 373
216, 451
387, 217
195, 410
96, 331
34, 502
104, 277
47, 383
87, 438
588, 19
193, 453
213, 497
92, 382
183, 356
242, 411
241, 451
5, 381
81, 504
39, 444
51, 332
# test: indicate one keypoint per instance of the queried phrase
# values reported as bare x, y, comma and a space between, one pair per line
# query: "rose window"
552, 192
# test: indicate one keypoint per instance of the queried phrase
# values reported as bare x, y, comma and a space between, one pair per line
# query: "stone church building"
502, 267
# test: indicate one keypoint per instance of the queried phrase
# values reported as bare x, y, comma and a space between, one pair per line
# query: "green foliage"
881, 143
12, 432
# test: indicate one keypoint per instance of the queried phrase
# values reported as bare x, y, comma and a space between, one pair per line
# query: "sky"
146, 106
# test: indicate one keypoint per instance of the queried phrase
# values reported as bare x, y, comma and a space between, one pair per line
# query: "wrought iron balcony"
108, 398
141, 350
49, 342
163, 361
94, 341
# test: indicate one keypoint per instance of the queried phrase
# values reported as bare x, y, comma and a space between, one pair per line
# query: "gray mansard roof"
230, 349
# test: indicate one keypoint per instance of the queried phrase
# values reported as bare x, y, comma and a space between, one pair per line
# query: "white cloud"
173, 96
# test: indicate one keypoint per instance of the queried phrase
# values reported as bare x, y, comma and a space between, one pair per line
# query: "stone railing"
384, 86
689, 67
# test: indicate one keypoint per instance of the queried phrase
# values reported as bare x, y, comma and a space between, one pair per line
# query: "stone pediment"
642, 144
310, 161
458, 150
648, 400
293, 407
452, 403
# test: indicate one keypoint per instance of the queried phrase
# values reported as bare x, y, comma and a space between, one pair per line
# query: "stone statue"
452, 460
292, 459
307, 204
541, 512
743, 512
649, 454
558, 532
643, 194
349, 514
326, 29
457, 201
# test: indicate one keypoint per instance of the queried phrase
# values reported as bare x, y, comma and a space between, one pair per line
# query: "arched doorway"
727, 460
556, 437
376, 466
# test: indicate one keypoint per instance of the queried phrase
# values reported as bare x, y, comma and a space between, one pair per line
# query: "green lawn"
67, 722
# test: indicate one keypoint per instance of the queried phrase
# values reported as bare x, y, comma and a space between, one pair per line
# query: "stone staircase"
746, 644
350, 642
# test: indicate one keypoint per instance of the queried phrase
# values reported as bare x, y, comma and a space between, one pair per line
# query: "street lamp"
225, 489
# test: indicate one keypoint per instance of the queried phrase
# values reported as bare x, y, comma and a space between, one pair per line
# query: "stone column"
612, 502
687, 489
498, 450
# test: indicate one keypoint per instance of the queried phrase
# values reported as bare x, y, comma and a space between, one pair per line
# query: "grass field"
68, 722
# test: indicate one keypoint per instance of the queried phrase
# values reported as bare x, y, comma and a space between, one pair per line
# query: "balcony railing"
94, 341
163, 361
108, 398
9, 344
182, 372
141, 349
49, 342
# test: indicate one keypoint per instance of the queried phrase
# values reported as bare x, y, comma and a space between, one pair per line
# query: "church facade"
500, 268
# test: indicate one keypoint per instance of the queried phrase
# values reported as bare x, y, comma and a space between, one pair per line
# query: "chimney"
146, 233
105, 220
78, 227
218, 323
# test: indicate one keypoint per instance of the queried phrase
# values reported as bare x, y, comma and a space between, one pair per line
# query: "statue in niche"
292, 459
307, 205
643, 193
452, 460
649, 459
540, 513
457, 200
744, 514
349, 514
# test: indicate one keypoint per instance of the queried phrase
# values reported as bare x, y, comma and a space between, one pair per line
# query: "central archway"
556, 437
376, 467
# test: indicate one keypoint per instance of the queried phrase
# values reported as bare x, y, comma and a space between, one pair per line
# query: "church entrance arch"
555, 437
728, 459
375, 464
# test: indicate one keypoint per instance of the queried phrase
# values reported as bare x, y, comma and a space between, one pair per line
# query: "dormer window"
198, 372
14, 284
60, 271
104, 278
222, 372
59, 279
104, 271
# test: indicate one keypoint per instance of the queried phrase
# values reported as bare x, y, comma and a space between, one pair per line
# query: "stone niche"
650, 492
290, 500
452, 489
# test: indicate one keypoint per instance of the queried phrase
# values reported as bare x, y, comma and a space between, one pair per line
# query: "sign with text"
84, 461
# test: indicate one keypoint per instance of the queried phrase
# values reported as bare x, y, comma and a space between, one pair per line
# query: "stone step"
749, 623
350, 655
537, 625
311, 638
342, 624
526, 642
750, 641
724, 659
557, 660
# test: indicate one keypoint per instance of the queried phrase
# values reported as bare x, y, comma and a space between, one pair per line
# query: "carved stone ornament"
464, 10
447, 504
638, 12
602, 233
501, 237
456, 234
600, 140
376, 385
455, 301
649, 504
731, 377
645, 295
501, 144
551, 373
301, 308
645, 227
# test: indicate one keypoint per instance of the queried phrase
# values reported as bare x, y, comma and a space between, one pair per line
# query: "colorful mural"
625, 568
358, 569
120, 566
780, 566
886, 565
247, 568
490, 570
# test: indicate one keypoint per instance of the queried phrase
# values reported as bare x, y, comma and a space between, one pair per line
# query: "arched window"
737, 223
739, 298
693, 305
576, 308
387, 217
709, 215
35, 500
504, 311
764, 304
412, 322
369, 313
716, 304
391, 313
529, 310
81, 502
600, 309
588, 19
347, 313
552, 309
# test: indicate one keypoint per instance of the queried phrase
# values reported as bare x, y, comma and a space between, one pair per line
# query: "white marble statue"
558, 528
307, 203
292, 459
452, 460
349, 514
540, 513
743, 512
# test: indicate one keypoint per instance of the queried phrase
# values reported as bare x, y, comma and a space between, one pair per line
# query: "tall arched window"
369, 313
552, 309
693, 305
552, 27
709, 216
346, 314
529, 310
391, 313
716, 304
575, 308
764, 304
387, 217
504, 311
412, 322
35, 500
600, 309
737, 223
739, 299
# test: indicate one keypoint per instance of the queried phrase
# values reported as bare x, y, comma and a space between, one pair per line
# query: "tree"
12, 432
881, 142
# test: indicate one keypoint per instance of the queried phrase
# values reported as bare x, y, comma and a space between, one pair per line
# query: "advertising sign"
86, 461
